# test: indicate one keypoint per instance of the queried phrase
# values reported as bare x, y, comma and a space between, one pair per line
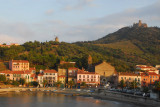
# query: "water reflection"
41, 99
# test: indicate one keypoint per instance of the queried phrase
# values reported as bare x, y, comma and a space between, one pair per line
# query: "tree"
22, 81
58, 83
122, 84
157, 85
71, 83
44, 83
83, 84
2, 78
134, 84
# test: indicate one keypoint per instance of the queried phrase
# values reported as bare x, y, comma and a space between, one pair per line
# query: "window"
153, 80
83, 79
138, 79
87, 76
83, 76
153, 76
150, 76
79, 76
88, 80
122, 78
125, 78
129, 78
79, 79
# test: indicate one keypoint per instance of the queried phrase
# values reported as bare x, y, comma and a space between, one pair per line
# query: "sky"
71, 20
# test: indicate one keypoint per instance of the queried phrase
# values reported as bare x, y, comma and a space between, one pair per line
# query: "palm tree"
71, 83
58, 83
122, 84
83, 84
44, 83
134, 84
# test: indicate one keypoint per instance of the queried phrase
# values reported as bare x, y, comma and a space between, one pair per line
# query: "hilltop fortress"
140, 24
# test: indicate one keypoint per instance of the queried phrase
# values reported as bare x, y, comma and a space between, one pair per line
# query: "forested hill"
138, 40
123, 49
129, 46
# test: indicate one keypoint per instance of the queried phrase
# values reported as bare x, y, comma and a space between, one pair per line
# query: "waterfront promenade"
104, 95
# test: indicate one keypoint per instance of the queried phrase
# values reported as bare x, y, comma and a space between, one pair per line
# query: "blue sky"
71, 20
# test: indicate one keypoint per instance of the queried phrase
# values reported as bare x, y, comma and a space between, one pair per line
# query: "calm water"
54, 100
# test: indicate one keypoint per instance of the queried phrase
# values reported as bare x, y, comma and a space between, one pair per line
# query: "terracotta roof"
61, 76
40, 74
149, 73
86, 73
6, 72
33, 75
20, 61
73, 68
32, 68
128, 74
21, 72
50, 71
63, 62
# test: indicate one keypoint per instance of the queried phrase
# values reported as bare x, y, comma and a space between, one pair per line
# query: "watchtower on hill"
56, 39
140, 24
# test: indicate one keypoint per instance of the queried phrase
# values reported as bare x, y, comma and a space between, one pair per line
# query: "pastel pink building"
90, 78
18, 65
17, 75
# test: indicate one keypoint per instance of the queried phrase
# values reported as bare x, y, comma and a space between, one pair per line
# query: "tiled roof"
128, 74
73, 68
61, 76
6, 72
21, 72
20, 61
50, 71
149, 73
40, 74
86, 73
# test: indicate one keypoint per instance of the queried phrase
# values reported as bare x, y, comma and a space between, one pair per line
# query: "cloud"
49, 12
9, 39
79, 4
68, 32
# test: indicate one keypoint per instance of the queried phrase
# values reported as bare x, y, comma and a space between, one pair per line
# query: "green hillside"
124, 49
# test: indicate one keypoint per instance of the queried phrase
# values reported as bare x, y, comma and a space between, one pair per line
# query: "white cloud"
9, 39
49, 12
68, 32
79, 4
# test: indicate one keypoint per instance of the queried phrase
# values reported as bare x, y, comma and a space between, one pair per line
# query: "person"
143, 94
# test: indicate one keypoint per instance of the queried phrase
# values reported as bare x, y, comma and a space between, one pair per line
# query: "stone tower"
56, 39
140, 23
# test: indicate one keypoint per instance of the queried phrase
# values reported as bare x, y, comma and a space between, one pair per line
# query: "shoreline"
112, 96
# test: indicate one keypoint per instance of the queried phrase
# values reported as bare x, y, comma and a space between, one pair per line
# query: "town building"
148, 78
18, 65
129, 77
40, 79
90, 78
8, 46
144, 68
51, 76
72, 74
107, 73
